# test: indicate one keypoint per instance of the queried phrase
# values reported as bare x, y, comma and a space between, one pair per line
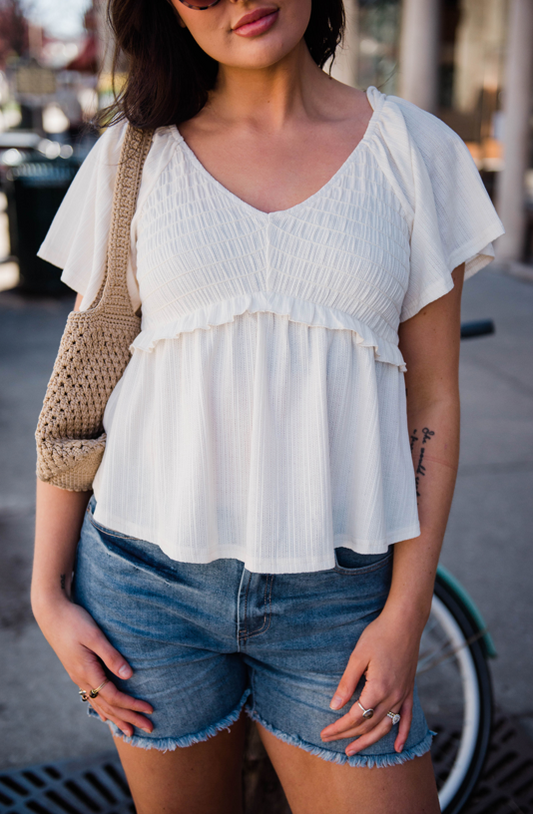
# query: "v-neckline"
376, 103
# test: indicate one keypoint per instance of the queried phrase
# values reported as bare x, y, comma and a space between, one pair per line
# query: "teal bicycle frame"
469, 606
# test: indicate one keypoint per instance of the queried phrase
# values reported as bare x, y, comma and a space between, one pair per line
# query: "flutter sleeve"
454, 220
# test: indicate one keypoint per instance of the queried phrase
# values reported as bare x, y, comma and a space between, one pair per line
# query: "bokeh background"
469, 62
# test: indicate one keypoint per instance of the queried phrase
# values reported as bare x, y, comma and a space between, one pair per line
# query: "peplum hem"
302, 311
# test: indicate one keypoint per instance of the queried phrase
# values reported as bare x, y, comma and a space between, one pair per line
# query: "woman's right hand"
89, 658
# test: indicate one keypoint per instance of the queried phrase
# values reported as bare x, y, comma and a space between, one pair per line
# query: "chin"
257, 55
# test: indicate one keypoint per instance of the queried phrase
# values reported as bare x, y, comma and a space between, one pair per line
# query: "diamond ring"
395, 718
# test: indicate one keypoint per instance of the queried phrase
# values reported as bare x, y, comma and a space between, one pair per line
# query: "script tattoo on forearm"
420, 470
62, 581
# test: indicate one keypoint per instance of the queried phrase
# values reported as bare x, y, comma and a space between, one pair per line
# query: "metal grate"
94, 785
506, 786
97, 785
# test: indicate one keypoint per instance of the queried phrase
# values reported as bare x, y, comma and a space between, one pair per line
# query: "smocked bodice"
329, 261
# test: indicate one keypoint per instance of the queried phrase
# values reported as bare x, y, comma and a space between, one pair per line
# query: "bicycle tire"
466, 741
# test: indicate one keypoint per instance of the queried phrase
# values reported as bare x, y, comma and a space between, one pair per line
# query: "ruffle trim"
307, 313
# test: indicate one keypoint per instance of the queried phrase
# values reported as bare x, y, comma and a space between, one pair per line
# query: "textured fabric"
263, 414
94, 349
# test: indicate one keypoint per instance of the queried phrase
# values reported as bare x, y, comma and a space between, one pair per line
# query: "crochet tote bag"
94, 349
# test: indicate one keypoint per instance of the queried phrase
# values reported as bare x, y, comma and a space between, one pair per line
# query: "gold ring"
84, 695
94, 693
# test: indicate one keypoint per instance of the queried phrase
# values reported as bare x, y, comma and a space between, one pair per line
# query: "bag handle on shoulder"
113, 296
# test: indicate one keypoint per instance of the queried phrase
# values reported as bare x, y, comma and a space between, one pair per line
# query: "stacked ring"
395, 718
92, 693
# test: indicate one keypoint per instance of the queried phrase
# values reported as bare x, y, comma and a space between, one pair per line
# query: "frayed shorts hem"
369, 761
170, 744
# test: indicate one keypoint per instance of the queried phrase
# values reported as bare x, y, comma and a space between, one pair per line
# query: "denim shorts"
207, 640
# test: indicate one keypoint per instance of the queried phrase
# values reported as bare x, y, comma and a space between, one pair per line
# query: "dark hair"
168, 76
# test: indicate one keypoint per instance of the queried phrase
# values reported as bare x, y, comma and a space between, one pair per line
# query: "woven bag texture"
94, 348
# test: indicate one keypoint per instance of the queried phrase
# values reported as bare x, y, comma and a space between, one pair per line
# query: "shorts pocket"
133, 552
117, 535
103, 529
351, 563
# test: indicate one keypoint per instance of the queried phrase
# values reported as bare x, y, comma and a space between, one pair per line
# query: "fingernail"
351, 752
400, 747
336, 702
125, 671
145, 730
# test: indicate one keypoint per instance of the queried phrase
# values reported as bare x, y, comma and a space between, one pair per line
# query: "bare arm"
59, 515
387, 651
430, 343
79, 644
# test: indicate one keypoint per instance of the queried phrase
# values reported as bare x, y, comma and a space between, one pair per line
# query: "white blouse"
263, 413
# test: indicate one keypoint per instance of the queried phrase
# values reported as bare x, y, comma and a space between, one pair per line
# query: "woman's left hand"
387, 654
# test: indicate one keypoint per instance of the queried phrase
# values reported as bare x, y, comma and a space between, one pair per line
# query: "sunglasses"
201, 5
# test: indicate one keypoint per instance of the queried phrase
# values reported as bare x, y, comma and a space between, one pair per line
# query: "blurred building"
50, 83
470, 62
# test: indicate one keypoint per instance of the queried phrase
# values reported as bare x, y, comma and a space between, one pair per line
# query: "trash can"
35, 190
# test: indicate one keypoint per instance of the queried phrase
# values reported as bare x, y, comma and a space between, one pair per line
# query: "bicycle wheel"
454, 685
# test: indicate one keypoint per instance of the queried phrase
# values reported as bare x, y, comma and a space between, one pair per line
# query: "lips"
255, 15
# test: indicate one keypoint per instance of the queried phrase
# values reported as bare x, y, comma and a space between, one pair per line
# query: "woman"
267, 519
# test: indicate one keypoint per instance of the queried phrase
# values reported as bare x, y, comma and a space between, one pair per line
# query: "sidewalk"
488, 542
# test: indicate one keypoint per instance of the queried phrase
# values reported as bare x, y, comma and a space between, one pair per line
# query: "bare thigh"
204, 778
315, 786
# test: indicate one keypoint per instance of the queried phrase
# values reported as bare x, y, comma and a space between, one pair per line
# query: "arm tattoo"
420, 470
62, 581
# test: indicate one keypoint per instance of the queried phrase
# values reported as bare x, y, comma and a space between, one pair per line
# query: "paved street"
488, 542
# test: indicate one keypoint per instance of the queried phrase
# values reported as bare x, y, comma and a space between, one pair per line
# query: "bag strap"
113, 296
